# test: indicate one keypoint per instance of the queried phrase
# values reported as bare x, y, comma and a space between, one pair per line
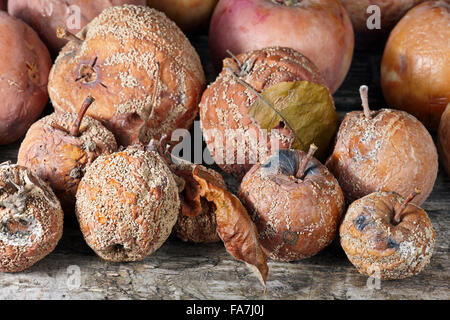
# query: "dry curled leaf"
305, 107
236, 229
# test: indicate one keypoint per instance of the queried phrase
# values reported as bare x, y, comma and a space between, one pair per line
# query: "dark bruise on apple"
387, 237
295, 202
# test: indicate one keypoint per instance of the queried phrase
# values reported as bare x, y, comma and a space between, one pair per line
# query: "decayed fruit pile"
124, 81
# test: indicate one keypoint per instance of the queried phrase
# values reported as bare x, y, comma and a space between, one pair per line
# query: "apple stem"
363, 91
235, 59
305, 161
75, 131
399, 213
63, 33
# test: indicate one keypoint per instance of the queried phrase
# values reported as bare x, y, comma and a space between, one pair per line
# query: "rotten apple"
415, 70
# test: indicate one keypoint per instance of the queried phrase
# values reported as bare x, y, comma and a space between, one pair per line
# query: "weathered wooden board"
186, 271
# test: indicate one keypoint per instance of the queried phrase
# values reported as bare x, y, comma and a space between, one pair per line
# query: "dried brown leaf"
234, 225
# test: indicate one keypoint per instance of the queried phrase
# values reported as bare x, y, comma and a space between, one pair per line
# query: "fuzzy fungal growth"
295, 202
145, 74
225, 104
386, 237
58, 148
31, 218
127, 204
384, 150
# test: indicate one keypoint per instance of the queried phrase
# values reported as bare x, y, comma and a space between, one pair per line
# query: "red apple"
189, 15
319, 29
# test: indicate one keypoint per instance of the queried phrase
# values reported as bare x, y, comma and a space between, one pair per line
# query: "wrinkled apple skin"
444, 139
391, 11
45, 16
24, 67
319, 29
189, 15
415, 70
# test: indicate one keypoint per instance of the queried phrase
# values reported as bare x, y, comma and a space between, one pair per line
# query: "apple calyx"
305, 161
399, 213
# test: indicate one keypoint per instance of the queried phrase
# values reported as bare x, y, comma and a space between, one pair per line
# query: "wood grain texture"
188, 271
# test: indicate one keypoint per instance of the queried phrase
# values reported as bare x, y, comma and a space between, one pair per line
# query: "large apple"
189, 15
319, 29
389, 11
415, 70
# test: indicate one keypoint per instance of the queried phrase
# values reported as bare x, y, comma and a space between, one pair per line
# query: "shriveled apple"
319, 29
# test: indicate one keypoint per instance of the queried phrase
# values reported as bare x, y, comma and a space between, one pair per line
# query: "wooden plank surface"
187, 271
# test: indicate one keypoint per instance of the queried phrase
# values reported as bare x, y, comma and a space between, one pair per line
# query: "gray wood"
187, 271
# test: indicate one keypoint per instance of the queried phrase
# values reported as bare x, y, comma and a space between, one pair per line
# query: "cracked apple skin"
189, 15
45, 16
24, 69
319, 29
117, 60
391, 11
61, 159
391, 151
296, 218
380, 248
225, 103
444, 139
415, 69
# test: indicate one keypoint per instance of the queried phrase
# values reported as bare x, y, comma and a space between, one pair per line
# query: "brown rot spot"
290, 237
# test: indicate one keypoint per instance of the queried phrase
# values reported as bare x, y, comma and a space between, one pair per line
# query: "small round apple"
386, 237
319, 29
415, 70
